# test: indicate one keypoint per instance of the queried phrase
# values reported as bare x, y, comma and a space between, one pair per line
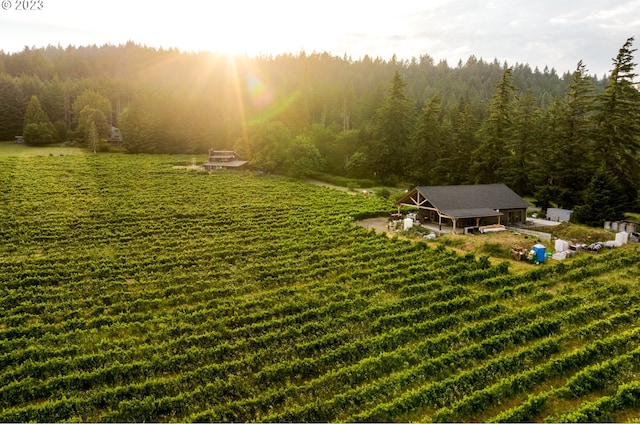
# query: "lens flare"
261, 96
264, 100
276, 109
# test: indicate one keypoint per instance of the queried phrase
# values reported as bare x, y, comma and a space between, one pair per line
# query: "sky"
552, 33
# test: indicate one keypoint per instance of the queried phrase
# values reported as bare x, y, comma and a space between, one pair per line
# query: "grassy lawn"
11, 148
633, 216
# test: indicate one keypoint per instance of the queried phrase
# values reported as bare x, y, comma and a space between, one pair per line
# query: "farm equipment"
536, 255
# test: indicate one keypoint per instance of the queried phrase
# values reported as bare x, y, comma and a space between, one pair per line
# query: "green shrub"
495, 249
382, 192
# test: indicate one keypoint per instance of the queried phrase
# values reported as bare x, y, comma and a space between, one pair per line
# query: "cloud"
556, 34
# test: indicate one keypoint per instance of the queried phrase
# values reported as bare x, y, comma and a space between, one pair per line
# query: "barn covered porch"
441, 222
461, 209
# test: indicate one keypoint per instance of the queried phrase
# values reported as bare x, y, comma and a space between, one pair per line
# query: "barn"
466, 206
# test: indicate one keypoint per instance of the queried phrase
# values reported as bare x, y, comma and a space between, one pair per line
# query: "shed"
467, 205
223, 159
559, 215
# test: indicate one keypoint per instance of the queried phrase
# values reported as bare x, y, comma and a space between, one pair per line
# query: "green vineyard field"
133, 291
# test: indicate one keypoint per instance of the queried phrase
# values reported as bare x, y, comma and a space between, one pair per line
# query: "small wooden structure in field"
219, 159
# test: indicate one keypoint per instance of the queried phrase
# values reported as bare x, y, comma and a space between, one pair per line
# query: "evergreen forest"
569, 140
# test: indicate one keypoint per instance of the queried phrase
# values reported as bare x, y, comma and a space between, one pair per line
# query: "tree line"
569, 140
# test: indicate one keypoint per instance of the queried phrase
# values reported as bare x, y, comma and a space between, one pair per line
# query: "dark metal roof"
465, 201
472, 213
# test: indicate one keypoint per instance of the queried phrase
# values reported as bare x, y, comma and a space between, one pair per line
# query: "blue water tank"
540, 251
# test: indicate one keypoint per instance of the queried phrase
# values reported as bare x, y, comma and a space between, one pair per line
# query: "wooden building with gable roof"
219, 159
467, 205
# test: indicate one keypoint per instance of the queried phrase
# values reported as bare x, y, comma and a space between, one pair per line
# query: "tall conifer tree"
516, 165
562, 159
38, 129
392, 131
462, 144
428, 143
544, 171
495, 132
617, 134
601, 199
572, 152
12, 108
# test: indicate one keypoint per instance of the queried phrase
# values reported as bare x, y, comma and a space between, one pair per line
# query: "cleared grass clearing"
13, 149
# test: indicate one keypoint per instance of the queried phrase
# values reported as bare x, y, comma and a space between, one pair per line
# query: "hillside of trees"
569, 140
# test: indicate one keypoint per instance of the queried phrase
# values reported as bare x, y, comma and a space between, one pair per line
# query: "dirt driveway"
378, 224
